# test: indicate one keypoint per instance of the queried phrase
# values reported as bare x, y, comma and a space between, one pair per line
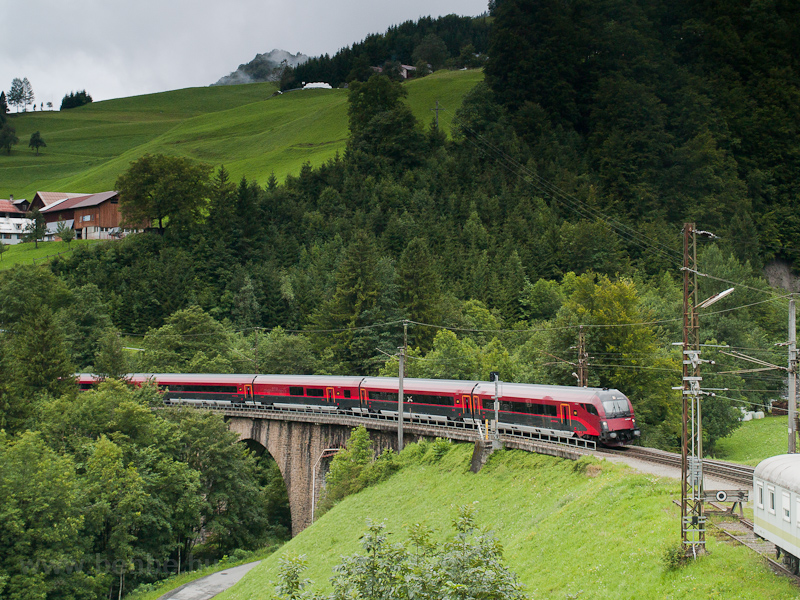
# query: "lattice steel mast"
693, 533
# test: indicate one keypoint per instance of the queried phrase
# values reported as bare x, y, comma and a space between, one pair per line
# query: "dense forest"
451, 41
600, 129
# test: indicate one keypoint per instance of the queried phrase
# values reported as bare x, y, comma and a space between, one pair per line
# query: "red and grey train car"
601, 414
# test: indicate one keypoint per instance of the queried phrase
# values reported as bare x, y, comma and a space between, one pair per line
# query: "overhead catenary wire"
456, 329
559, 195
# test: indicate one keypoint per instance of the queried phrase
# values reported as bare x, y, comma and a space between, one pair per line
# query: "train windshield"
615, 406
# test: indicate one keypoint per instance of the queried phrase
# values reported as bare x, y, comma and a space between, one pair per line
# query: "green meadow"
586, 529
755, 440
247, 128
29, 254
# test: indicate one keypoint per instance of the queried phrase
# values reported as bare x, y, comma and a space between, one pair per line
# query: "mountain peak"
264, 67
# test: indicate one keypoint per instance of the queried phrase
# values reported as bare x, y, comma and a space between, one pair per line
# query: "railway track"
740, 474
741, 531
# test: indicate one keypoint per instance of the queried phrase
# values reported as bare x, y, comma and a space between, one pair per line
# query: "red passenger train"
600, 414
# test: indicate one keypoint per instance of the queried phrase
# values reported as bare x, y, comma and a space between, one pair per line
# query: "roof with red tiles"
6, 206
79, 201
48, 198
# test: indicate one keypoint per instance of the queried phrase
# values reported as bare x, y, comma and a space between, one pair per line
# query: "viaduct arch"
296, 446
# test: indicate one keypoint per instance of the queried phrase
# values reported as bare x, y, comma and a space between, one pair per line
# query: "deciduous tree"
27, 93
36, 142
190, 341
8, 137
163, 189
16, 93
431, 50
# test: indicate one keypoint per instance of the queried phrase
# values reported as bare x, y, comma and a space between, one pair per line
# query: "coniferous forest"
600, 129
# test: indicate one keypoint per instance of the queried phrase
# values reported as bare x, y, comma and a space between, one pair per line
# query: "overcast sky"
115, 49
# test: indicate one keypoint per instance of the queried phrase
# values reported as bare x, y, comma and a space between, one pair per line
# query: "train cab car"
433, 400
776, 505
592, 413
618, 425
309, 392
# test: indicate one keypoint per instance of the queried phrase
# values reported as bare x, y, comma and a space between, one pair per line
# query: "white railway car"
776, 505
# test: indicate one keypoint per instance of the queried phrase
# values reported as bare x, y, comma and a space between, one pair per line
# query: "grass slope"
570, 530
241, 126
754, 441
28, 254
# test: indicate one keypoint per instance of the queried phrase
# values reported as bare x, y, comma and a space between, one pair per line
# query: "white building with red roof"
12, 221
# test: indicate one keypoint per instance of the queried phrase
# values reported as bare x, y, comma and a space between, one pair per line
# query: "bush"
674, 557
440, 447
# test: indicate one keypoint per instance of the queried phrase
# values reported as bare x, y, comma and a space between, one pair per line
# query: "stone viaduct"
296, 441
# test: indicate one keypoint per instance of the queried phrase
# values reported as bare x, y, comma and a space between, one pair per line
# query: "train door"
248, 393
364, 405
330, 395
565, 418
467, 402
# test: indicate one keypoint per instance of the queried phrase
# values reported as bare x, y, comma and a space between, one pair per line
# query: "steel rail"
741, 474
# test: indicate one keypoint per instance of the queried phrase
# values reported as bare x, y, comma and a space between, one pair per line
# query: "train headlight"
604, 425
613, 434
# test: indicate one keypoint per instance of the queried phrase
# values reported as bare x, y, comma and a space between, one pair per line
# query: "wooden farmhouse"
92, 216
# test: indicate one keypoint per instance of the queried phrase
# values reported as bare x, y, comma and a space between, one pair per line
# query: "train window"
771, 507
785, 505
385, 396
760, 495
296, 391
616, 408
590, 408
347, 393
315, 392
204, 389
429, 399
527, 408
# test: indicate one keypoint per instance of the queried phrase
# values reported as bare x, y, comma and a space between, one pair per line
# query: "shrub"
674, 557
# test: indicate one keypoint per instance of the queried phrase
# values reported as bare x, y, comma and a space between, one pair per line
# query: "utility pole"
436, 110
583, 359
693, 535
792, 396
400, 402
256, 361
405, 336
495, 376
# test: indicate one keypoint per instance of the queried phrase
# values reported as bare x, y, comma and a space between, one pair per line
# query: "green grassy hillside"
29, 254
243, 127
570, 530
754, 441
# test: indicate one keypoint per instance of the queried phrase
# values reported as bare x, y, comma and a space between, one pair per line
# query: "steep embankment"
244, 127
570, 530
